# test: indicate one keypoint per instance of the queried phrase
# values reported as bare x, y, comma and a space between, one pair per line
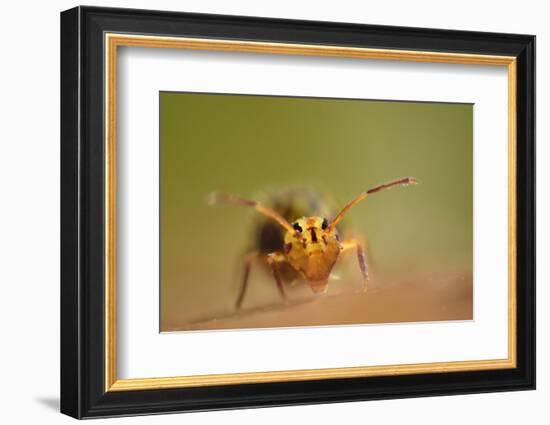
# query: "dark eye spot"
297, 227
325, 224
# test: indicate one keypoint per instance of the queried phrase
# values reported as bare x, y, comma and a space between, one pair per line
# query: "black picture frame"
83, 392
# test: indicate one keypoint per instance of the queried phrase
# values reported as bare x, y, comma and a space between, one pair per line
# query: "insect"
297, 240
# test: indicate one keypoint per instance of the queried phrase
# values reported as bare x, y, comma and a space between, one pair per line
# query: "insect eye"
325, 224
297, 227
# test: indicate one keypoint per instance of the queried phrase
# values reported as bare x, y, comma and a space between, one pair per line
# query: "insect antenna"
403, 182
228, 198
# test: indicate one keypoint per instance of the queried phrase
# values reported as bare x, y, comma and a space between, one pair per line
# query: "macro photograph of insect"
280, 211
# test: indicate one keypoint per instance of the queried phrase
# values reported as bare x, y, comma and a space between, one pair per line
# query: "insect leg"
246, 273
274, 259
360, 250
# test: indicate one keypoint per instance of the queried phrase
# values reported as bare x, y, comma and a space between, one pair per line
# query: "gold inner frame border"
112, 41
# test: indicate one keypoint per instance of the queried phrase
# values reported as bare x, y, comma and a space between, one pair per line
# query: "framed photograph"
261, 212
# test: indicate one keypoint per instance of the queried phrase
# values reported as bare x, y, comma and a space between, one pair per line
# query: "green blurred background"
418, 237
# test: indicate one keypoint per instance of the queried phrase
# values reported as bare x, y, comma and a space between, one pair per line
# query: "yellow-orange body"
311, 251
